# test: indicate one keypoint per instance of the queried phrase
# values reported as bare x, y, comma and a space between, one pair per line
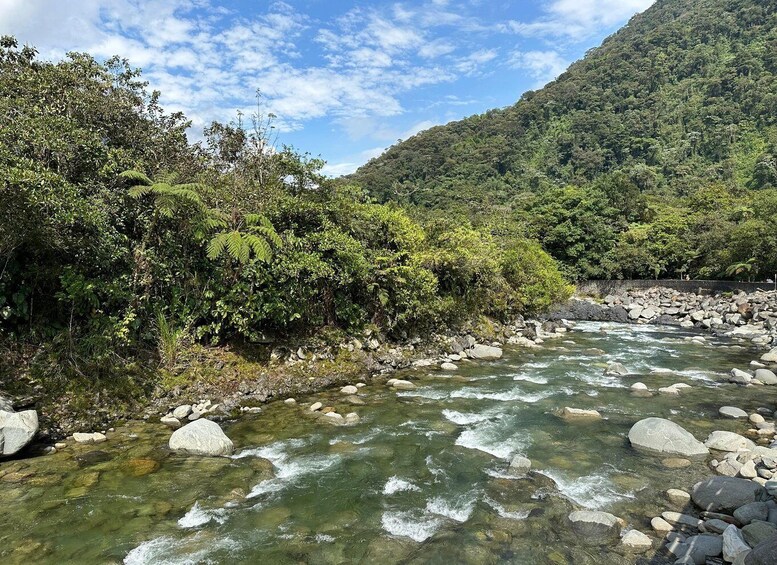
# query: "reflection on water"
422, 479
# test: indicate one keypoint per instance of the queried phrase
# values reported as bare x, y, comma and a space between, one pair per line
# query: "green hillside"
652, 156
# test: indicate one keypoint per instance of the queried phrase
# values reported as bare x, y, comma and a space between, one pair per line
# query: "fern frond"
270, 234
260, 247
237, 248
135, 176
139, 191
217, 245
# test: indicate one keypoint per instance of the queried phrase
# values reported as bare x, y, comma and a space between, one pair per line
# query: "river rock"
182, 411
758, 531
732, 412
715, 526
350, 389
635, 541
700, 547
403, 385
765, 553
485, 352
658, 435
740, 377
17, 430
726, 494
617, 369
334, 418
580, 414
753, 511
734, 547
766, 376
519, 466
352, 418
95, 437
639, 387
660, 525
728, 441
594, 526
677, 496
170, 421
748, 470
680, 519
756, 419
201, 437
448, 367
770, 357
315, 406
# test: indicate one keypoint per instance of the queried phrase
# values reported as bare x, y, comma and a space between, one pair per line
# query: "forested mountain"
655, 155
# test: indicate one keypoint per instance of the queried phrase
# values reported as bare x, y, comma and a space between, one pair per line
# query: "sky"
345, 79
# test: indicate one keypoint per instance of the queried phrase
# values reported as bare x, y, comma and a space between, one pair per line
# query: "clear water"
422, 478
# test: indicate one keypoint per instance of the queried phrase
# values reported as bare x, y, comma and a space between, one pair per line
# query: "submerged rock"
635, 541
732, 412
520, 466
403, 385
616, 369
594, 527
95, 437
580, 414
658, 435
202, 437
17, 430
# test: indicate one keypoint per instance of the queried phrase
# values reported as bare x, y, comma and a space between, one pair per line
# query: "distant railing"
602, 288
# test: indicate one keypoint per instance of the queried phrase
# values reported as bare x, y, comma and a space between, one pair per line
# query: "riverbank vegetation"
121, 241
653, 157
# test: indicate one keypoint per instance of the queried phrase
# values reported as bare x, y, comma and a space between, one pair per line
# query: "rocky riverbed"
751, 316
544, 453
629, 442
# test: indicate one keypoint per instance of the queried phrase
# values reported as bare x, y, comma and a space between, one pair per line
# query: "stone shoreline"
748, 316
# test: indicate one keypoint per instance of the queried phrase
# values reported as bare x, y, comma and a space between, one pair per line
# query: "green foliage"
119, 239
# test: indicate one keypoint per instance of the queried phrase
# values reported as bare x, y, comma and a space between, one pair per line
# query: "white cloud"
354, 70
544, 66
578, 19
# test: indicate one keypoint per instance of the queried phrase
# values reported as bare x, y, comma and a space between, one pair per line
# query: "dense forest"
654, 156
120, 240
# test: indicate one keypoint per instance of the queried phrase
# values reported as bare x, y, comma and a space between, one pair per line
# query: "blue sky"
346, 79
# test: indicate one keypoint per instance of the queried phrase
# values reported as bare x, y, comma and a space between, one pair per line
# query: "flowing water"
421, 479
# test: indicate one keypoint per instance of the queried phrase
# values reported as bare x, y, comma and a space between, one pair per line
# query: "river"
421, 479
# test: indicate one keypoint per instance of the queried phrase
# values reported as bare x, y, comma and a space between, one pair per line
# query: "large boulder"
17, 430
728, 441
485, 353
201, 437
661, 436
726, 494
594, 527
